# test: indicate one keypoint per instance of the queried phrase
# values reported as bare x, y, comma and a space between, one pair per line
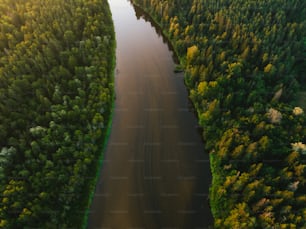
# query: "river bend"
155, 172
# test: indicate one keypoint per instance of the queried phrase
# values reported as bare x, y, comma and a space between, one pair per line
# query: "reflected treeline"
140, 13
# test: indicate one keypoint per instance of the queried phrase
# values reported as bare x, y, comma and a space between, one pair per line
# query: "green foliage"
56, 94
243, 60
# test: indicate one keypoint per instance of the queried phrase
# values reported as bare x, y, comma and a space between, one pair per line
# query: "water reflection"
140, 13
155, 173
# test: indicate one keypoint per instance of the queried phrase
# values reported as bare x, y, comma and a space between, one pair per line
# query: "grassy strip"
99, 165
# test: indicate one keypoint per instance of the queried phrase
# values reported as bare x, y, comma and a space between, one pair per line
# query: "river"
155, 172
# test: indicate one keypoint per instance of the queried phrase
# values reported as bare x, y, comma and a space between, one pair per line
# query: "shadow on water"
140, 13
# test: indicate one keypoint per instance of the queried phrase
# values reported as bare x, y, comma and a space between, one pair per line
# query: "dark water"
155, 173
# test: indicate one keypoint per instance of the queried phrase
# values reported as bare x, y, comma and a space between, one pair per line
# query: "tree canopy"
56, 94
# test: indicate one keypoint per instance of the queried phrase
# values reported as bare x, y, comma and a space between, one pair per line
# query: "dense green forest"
56, 95
244, 61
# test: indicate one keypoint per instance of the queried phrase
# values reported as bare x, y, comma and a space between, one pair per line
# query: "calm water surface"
155, 173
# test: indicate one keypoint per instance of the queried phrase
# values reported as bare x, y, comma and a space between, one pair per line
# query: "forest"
244, 61
56, 96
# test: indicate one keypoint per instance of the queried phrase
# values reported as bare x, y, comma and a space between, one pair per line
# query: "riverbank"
179, 60
241, 91
56, 97
99, 165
